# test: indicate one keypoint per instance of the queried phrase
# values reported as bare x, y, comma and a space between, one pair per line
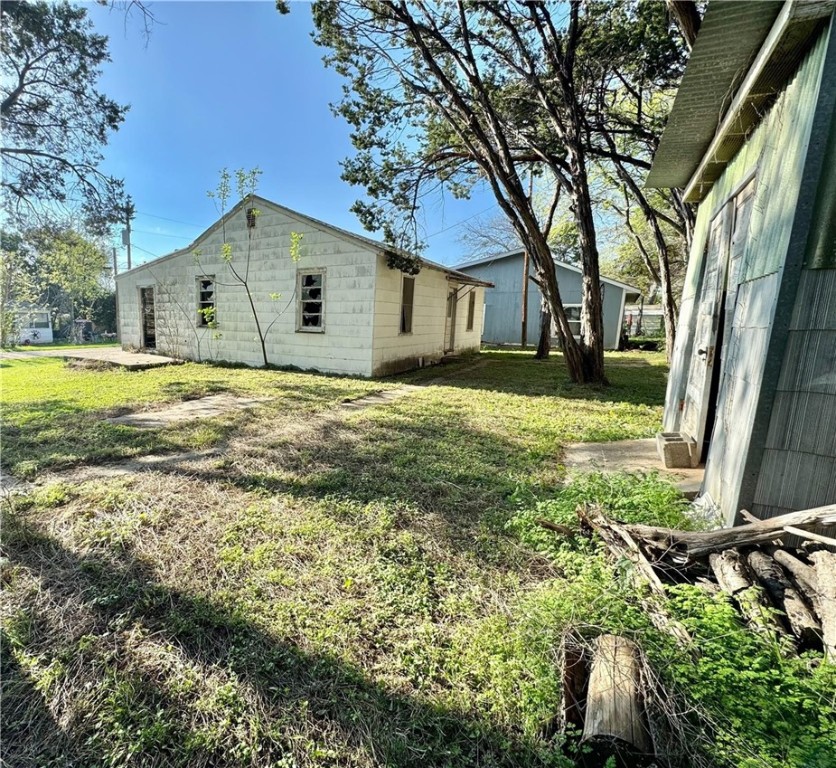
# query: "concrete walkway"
200, 408
630, 456
132, 361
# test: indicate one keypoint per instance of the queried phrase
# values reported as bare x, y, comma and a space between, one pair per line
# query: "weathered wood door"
727, 452
705, 348
450, 323
148, 320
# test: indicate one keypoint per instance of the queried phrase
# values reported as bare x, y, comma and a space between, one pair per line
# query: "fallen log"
733, 577
685, 547
803, 574
825, 569
801, 620
614, 725
621, 543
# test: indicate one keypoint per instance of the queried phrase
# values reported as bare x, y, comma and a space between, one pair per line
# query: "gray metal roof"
730, 37
562, 264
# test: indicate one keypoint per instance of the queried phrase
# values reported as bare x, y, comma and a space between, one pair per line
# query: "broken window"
206, 301
471, 309
311, 301
407, 300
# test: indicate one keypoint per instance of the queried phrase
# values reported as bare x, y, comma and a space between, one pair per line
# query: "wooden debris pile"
777, 587
609, 692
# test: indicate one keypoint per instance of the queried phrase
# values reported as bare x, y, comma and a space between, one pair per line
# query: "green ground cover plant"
330, 587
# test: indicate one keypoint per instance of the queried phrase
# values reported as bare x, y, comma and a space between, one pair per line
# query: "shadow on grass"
303, 705
633, 379
31, 736
58, 434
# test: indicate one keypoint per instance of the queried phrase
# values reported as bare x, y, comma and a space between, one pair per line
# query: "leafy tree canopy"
54, 119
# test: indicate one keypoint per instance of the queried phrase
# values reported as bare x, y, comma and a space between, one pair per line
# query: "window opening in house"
471, 309
311, 301
573, 315
206, 315
40, 320
407, 301
251, 217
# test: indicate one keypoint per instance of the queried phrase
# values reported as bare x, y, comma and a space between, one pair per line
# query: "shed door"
705, 350
450, 323
148, 318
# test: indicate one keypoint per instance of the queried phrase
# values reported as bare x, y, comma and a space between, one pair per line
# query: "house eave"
747, 51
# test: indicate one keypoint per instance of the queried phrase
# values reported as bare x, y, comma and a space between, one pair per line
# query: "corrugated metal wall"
775, 154
503, 302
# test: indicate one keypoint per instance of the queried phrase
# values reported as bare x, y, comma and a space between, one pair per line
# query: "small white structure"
34, 325
326, 299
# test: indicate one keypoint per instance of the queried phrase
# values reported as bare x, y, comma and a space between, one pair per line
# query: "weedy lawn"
323, 586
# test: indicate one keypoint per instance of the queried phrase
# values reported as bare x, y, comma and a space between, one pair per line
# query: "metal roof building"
752, 139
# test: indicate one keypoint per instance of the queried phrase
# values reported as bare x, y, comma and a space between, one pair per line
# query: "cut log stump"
615, 724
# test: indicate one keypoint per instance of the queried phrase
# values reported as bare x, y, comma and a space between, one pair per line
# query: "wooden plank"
810, 535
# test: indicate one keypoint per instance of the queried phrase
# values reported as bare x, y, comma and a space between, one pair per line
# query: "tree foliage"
54, 267
55, 121
447, 96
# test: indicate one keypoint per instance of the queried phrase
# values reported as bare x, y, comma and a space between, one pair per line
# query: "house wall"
395, 351
775, 154
503, 303
345, 345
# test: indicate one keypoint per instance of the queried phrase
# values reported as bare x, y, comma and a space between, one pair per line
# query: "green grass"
358, 588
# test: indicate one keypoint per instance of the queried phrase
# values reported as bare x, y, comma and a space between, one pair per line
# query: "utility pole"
130, 212
116, 294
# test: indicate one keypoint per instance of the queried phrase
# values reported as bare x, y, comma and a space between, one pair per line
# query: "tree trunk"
592, 310
545, 342
614, 724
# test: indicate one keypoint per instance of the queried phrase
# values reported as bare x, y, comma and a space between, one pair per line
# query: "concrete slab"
133, 361
630, 456
202, 408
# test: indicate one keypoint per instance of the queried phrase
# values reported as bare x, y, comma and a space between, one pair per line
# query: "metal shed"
752, 139
504, 302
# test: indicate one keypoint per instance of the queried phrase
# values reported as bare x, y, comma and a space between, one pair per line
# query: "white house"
326, 299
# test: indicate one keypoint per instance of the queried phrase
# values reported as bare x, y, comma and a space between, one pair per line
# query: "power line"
459, 223
163, 218
160, 234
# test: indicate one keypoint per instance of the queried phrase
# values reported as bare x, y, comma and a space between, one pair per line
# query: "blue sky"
234, 84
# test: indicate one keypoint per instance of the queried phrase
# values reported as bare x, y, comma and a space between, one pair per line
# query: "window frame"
300, 276
579, 307
202, 321
471, 311
402, 330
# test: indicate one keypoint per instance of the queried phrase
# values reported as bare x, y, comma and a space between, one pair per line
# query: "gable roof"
562, 264
366, 242
743, 56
